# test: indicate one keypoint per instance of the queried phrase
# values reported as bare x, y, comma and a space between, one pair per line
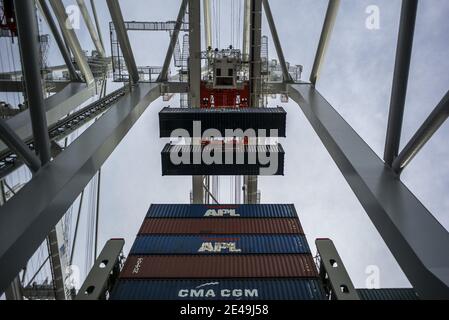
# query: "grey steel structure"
413, 235
333, 273
106, 269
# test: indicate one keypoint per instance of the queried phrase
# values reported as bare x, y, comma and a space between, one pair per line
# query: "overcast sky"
356, 79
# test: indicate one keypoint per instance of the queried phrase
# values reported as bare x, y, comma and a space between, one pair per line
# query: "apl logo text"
221, 213
218, 247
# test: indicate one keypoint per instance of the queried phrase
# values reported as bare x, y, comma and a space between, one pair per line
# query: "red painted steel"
221, 226
8, 17
218, 266
224, 98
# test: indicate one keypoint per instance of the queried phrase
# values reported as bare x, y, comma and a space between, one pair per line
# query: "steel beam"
197, 189
91, 27
29, 51
416, 239
72, 40
207, 24
328, 26
104, 273
17, 85
195, 81
400, 79
15, 290
57, 106
277, 42
8, 136
250, 189
255, 66
433, 122
195, 52
333, 272
183, 87
255, 76
29, 216
122, 36
59, 41
39, 292
56, 267
174, 37
246, 29
97, 24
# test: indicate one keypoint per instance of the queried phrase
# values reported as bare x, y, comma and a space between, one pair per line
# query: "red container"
221, 226
219, 267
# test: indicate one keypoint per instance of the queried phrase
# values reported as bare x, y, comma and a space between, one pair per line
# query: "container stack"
220, 252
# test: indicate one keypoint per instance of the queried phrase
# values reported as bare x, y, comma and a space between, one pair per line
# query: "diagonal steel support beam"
246, 29
207, 23
30, 57
59, 41
416, 239
57, 106
19, 147
72, 40
277, 42
97, 23
400, 79
328, 26
435, 120
122, 36
171, 48
91, 27
27, 218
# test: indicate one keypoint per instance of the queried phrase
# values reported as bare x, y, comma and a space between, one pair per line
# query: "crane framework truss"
146, 73
410, 231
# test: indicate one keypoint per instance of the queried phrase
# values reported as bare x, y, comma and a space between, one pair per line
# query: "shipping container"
171, 119
220, 226
220, 244
388, 294
222, 211
262, 160
219, 266
219, 289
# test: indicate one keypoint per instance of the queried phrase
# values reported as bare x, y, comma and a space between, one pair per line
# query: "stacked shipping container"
249, 252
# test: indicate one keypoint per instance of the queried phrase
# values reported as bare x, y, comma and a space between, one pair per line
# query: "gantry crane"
60, 172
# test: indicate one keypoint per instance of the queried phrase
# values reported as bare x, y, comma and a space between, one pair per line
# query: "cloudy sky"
356, 79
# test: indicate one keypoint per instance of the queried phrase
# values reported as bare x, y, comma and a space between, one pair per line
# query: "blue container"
222, 211
245, 289
220, 244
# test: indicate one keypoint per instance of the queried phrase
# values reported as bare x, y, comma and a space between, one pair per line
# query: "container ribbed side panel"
220, 226
243, 160
219, 266
213, 289
225, 210
220, 244
171, 119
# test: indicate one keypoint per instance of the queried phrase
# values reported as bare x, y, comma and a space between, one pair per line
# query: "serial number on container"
246, 310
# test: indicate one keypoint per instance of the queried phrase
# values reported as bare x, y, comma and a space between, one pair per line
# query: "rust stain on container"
221, 226
193, 267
